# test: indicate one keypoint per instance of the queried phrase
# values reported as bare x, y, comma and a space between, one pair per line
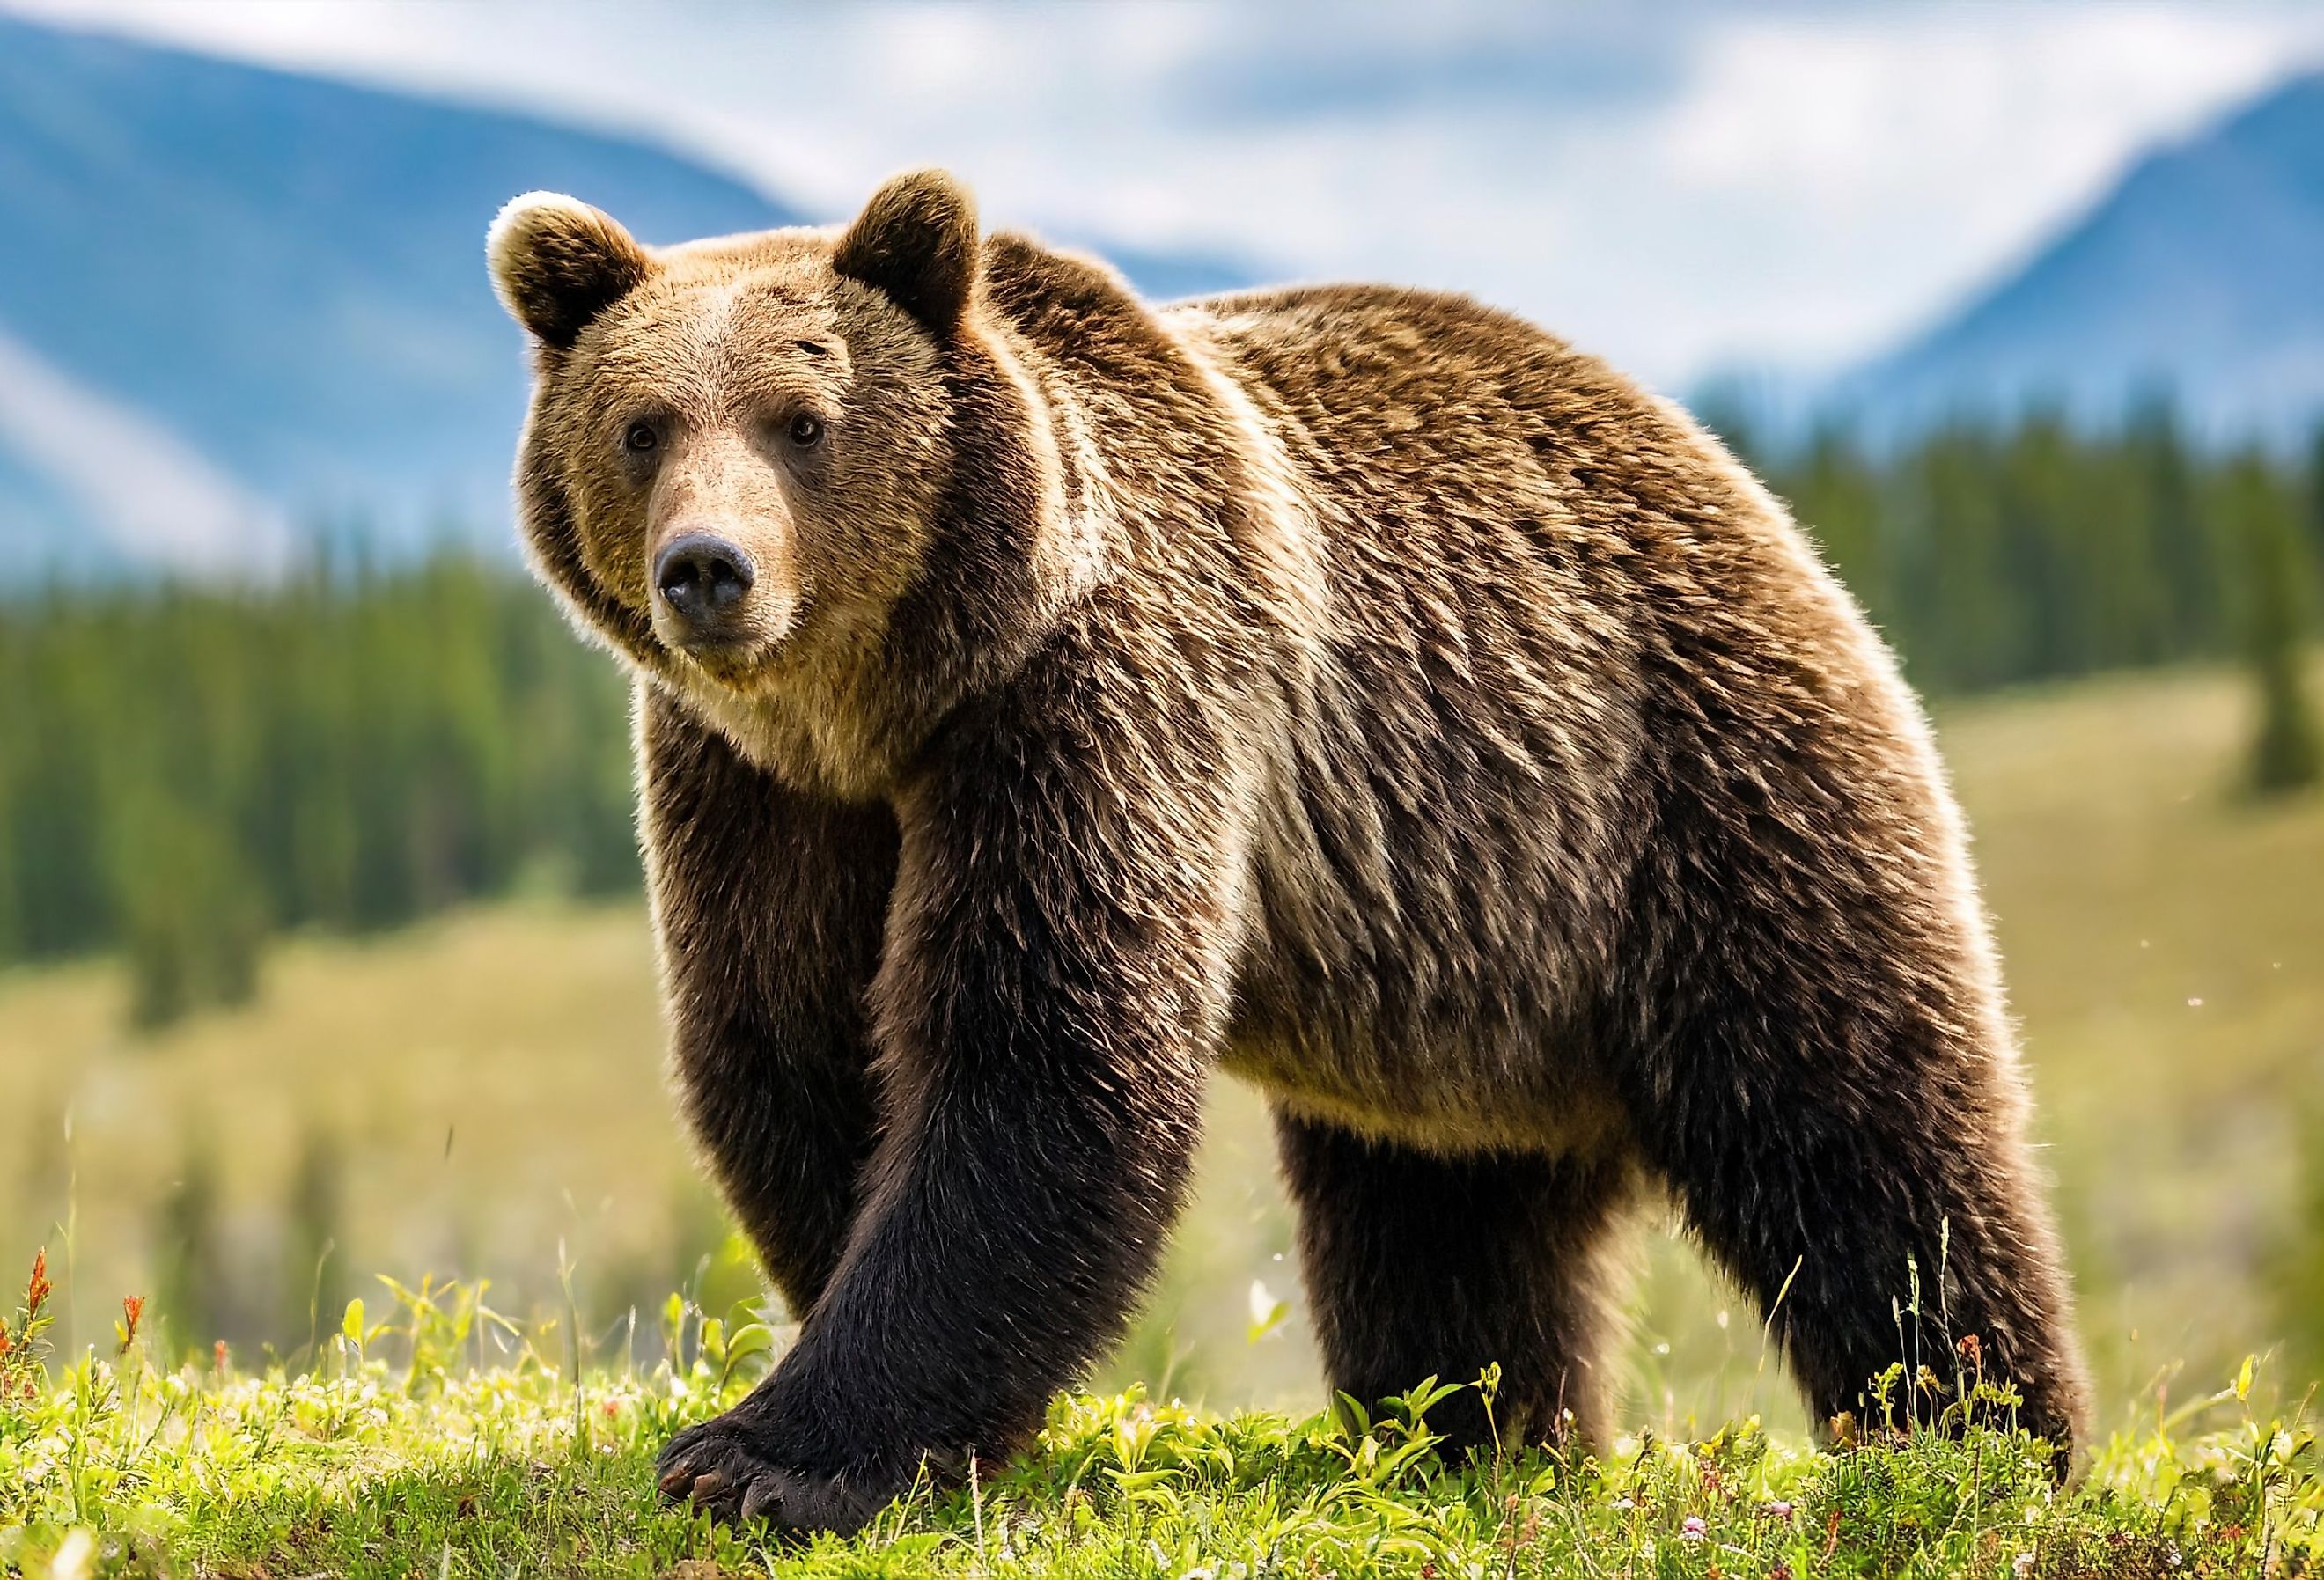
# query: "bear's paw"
733, 1467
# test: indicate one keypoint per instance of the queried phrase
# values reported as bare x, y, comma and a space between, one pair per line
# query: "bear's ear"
557, 264
916, 241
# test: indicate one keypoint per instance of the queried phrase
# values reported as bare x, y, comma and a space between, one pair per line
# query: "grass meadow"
479, 1099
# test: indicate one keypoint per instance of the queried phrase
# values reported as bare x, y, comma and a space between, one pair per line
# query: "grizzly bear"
1046, 698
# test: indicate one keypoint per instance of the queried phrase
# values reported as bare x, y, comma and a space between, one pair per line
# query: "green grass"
394, 1456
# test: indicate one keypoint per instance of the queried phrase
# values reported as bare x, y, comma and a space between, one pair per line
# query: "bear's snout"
701, 579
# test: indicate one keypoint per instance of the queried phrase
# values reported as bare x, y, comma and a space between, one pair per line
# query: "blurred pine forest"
1997, 558
185, 771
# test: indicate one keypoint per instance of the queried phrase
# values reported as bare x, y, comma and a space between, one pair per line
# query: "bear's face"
750, 436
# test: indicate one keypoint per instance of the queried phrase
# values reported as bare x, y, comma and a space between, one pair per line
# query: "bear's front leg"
769, 907
1053, 984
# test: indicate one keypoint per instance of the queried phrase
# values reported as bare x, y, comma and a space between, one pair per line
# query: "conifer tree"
2286, 753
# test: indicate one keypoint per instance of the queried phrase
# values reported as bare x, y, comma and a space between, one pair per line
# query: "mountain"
239, 307
2200, 272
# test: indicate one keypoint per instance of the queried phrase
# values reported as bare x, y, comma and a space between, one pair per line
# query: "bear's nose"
702, 576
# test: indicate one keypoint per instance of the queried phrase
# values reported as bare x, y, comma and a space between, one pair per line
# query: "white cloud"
1675, 185
1924, 152
146, 488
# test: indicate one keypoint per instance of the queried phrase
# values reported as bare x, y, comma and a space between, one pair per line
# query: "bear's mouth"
743, 664
732, 661
731, 652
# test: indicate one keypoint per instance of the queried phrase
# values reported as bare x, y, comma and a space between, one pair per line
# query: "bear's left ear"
916, 241
557, 264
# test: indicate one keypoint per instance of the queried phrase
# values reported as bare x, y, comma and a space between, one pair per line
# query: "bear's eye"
639, 437
805, 430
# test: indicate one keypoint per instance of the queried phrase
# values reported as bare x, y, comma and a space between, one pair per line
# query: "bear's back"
1430, 393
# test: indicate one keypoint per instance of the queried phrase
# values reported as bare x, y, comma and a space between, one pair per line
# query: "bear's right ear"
916, 241
557, 264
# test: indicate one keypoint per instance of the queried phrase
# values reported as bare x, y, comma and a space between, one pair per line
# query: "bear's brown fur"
1353, 688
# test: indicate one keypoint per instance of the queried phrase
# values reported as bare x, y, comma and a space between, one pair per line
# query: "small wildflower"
2023, 1565
132, 1311
36, 1292
1692, 1529
1777, 1509
1624, 1504
218, 1355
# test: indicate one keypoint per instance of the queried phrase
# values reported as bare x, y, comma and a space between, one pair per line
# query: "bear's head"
745, 454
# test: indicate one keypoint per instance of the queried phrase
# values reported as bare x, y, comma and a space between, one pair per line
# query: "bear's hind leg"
1830, 1195
1418, 1265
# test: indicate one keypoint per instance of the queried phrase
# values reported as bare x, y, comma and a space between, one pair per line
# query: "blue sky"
1683, 187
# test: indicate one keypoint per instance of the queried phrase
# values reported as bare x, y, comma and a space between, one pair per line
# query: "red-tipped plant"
132, 1311
22, 1372
37, 1291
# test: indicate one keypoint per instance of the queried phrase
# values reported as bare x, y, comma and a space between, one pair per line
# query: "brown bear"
1046, 698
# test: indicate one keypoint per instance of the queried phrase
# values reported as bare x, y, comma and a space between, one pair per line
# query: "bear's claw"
726, 1467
